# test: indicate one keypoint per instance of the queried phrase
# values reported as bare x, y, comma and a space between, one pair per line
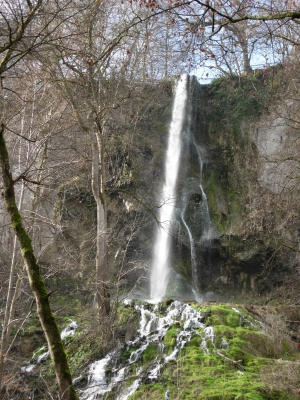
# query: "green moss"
127, 353
242, 371
154, 391
211, 377
170, 339
224, 331
124, 313
224, 202
233, 104
212, 190
195, 341
224, 373
223, 315
150, 353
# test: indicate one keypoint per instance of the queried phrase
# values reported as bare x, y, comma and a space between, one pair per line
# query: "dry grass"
283, 375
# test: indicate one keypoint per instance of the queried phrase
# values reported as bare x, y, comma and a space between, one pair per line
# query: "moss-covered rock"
236, 365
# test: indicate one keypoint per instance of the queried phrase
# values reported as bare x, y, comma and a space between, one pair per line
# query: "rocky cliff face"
247, 144
250, 178
244, 132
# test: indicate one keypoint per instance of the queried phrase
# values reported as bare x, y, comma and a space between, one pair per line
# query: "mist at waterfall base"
173, 204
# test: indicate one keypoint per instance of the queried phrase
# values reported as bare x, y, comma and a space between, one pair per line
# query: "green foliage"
240, 97
80, 352
66, 305
33, 325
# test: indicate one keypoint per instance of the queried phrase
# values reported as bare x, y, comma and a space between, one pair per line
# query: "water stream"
42, 354
118, 377
160, 264
109, 375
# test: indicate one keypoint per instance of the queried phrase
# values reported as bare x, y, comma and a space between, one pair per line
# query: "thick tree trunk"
37, 285
240, 31
246, 59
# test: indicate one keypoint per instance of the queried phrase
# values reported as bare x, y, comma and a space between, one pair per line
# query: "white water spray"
160, 264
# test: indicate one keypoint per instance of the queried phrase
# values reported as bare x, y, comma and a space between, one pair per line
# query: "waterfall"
160, 263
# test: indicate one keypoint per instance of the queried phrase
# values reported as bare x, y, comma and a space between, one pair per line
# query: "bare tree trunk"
13, 305
11, 292
98, 179
9, 299
241, 34
36, 281
246, 59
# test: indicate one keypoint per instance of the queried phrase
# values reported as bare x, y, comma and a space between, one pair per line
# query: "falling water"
160, 264
208, 231
193, 251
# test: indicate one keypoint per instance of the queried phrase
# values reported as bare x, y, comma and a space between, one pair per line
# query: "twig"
234, 362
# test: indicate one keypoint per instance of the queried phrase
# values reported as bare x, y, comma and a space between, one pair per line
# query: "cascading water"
160, 264
43, 353
111, 374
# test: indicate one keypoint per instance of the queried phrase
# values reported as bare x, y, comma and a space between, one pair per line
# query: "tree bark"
36, 281
244, 46
241, 36
98, 179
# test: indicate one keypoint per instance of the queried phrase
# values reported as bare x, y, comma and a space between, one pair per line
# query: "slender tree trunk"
11, 291
9, 299
166, 72
13, 305
37, 284
102, 275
